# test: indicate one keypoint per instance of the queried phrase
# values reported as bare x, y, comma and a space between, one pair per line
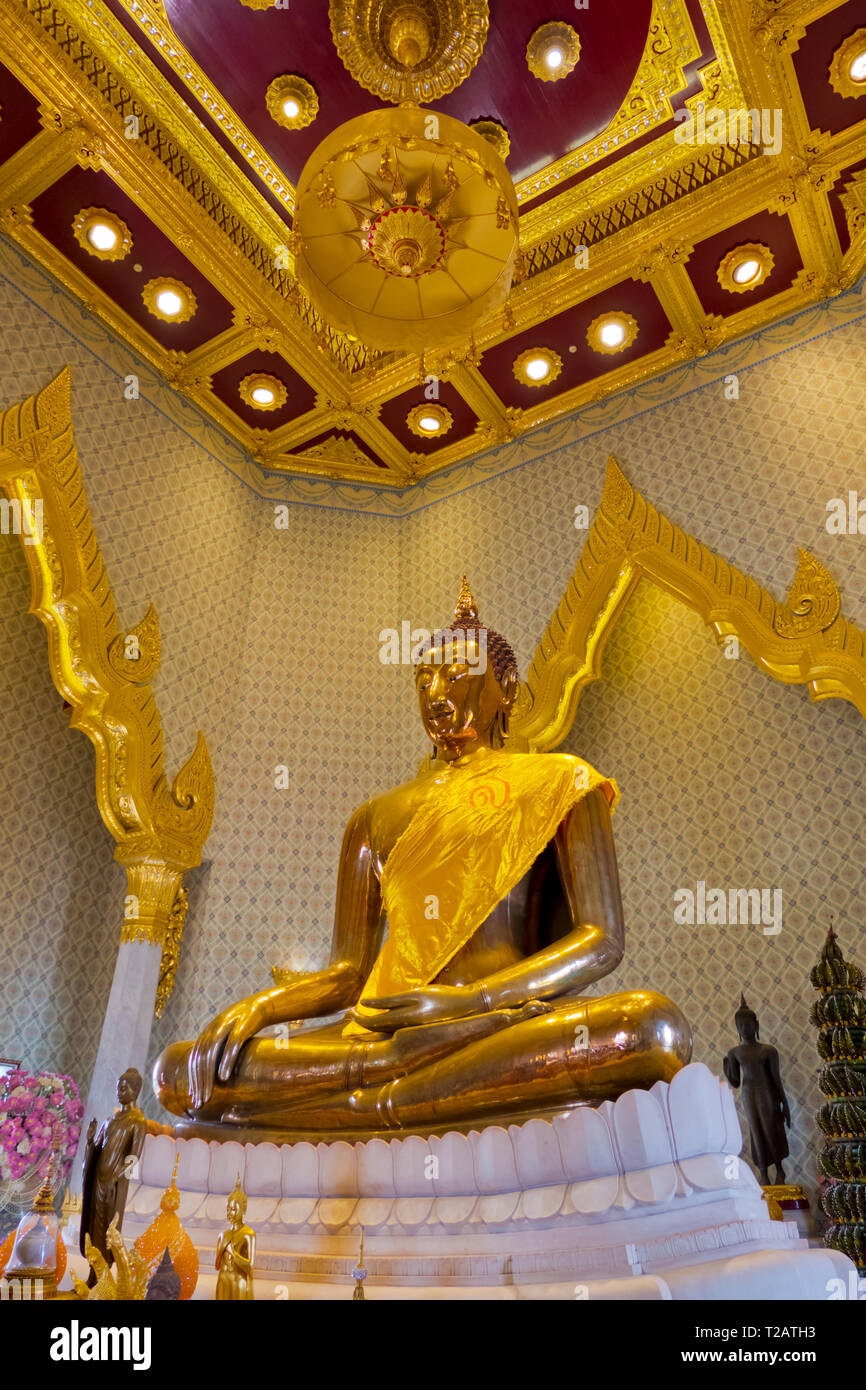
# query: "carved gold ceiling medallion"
293, 102
430, 420
537, 367
169, 300
406, 241
102, 234
553, 52
848, 66
415, 52
406, 229
495, 134
612, 332
745, 267
262, 391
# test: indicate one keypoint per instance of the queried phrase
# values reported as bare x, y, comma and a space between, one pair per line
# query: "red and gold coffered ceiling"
157, 114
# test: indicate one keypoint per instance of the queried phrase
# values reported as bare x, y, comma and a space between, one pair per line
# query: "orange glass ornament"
166, 1233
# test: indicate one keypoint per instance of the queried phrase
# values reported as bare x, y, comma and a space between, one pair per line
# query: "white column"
125, 1035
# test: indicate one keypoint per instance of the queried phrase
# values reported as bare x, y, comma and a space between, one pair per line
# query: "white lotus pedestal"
644, 1198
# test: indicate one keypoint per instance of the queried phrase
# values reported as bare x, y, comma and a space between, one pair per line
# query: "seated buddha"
475, 905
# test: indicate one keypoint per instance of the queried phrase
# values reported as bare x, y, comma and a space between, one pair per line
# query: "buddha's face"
460, 698
126, 1089
234, 1211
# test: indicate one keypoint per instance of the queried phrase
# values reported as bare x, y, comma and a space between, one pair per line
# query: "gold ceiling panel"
638, 218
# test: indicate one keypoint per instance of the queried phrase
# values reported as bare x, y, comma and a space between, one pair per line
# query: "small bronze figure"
764, 1099
164, 1285
107, 1165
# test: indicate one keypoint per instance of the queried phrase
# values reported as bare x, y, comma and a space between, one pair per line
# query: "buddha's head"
236, 1206
128, 1086
747, 1022
467, 680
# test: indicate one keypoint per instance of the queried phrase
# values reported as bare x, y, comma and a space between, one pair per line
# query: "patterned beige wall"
271, 645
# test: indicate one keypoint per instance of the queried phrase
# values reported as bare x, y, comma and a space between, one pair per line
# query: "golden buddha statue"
495, 877
235, 1252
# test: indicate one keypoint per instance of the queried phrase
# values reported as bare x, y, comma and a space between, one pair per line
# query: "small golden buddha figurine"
494, 875
236, 1252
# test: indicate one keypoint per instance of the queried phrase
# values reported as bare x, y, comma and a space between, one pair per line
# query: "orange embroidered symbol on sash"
492, 793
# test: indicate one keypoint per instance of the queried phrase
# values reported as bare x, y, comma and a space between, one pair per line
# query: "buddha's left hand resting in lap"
494, 875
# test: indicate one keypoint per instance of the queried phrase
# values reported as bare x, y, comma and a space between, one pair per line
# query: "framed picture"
6, 1065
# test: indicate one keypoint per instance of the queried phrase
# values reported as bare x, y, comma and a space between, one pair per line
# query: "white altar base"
641, 1198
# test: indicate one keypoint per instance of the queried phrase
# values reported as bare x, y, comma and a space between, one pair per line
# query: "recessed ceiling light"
429, 421
857, 70
261, 391
847, 73
103, 237
292, 101
102, 234
746, 271
170, 302
612, 333
537, 368
553, 51
745, 267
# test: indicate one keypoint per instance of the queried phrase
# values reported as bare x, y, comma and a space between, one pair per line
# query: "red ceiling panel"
566, 335
243, 50
825, 108
20, 115
301, 396
693, 85
766, 228
394, 412
53, 215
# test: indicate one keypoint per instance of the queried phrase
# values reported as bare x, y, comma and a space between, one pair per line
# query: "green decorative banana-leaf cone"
839, 1014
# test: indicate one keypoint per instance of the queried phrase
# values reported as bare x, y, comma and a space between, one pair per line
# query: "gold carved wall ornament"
101, 669
804, 640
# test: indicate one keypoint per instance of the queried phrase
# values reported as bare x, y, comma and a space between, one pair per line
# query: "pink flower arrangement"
38, 1111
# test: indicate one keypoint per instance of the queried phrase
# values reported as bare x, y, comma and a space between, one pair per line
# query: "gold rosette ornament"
407, 226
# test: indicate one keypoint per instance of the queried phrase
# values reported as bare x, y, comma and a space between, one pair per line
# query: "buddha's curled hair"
500, 653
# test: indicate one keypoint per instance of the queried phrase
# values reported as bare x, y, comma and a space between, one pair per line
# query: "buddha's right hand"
216, 1049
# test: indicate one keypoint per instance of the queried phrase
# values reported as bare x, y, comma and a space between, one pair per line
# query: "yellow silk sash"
476, 833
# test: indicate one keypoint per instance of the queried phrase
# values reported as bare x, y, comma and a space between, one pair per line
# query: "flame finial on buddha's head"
466, 608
